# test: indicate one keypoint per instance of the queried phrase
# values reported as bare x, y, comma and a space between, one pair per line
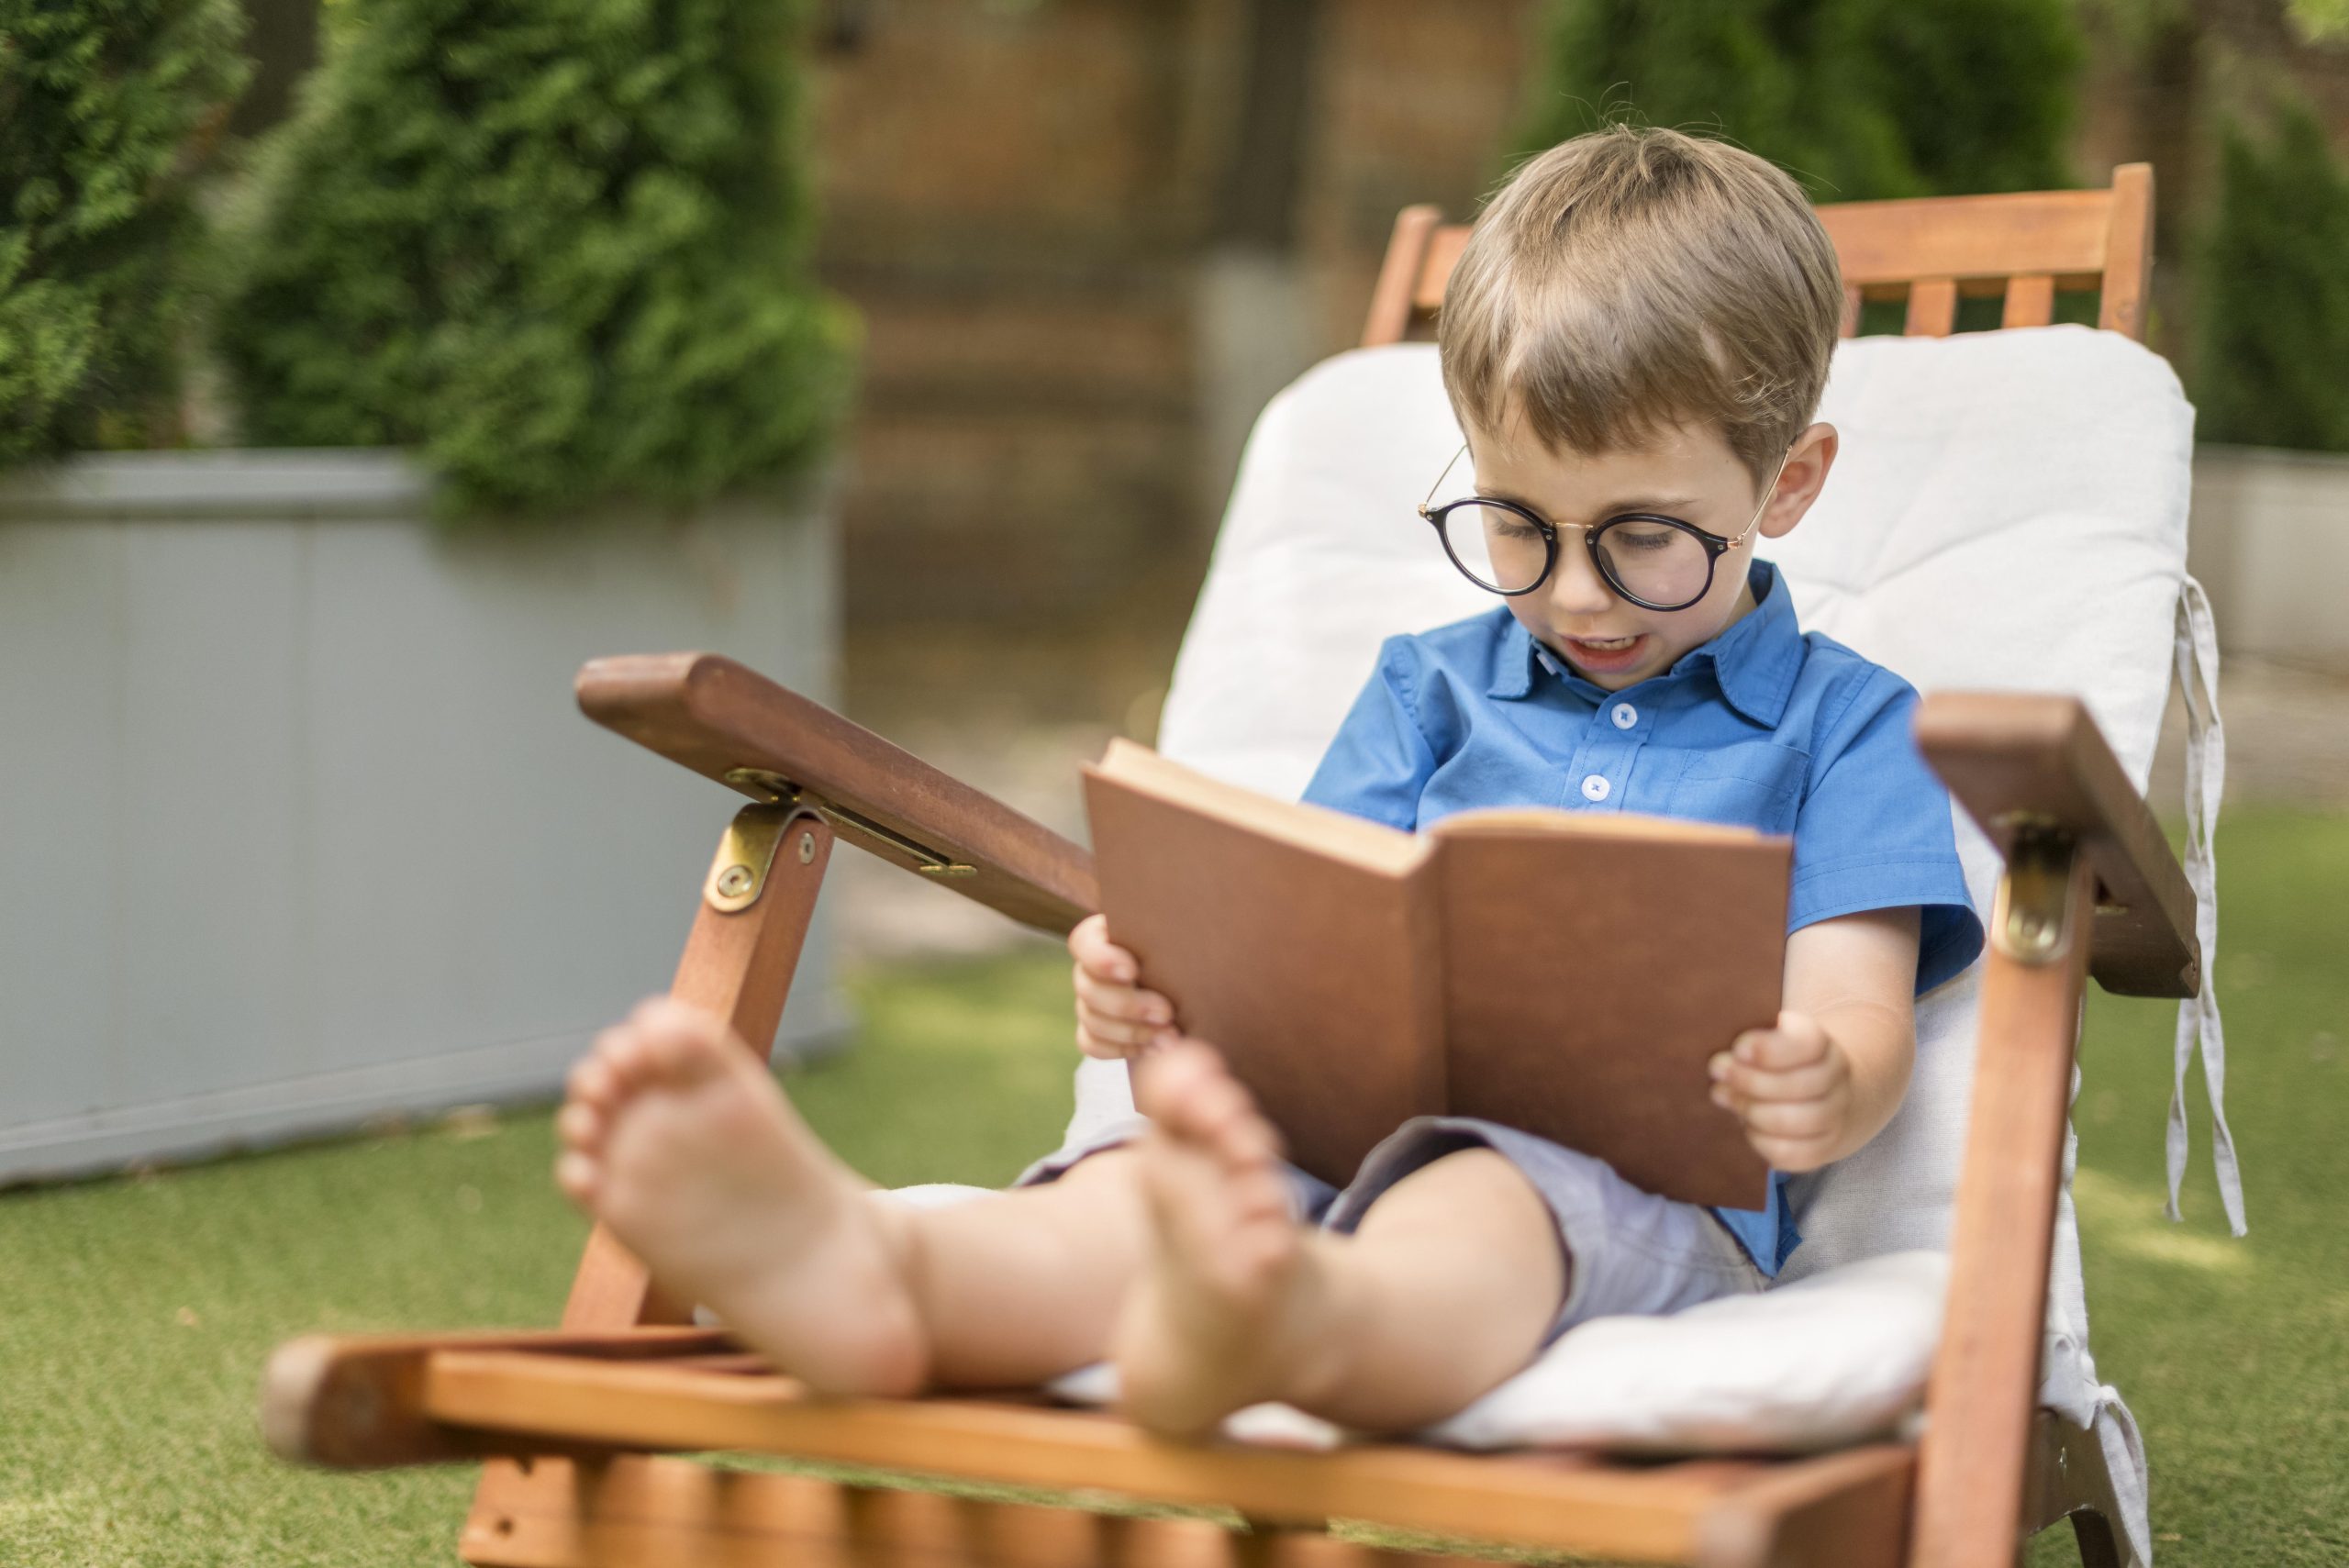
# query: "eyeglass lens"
1650, 561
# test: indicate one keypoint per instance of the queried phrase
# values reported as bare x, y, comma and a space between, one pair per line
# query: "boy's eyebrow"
1616, 508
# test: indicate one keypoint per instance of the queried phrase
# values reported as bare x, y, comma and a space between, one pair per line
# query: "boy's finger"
1122, 1031
1099, 1048
1112, 1001
1776, 1050
1774, 1119
1090, 944
1815, 1082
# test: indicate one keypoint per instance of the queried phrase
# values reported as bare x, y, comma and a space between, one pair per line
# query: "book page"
1523, 820
1317, 827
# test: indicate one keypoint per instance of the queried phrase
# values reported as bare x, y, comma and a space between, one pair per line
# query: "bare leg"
676, 1137
1020, 1286
1446, 1289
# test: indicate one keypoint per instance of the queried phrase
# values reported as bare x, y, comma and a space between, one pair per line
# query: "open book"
1561, 972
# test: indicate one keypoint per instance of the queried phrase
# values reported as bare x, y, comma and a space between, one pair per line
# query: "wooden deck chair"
581, 1427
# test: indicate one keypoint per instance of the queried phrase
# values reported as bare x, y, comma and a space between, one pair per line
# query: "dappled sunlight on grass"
2128, 1218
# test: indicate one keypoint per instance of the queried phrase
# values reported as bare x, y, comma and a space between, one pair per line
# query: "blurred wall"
1090, 237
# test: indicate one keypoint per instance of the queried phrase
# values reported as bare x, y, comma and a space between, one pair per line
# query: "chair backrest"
2025, 247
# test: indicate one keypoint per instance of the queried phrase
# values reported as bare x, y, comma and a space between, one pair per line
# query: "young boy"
1635, 340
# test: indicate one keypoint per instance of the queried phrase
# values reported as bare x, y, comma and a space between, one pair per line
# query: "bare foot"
674, 1135
1227, 1310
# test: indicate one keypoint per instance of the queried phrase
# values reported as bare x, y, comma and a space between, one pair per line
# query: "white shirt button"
1625, 715
1594, 788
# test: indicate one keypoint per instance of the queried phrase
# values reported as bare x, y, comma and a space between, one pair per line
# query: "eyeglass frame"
1715, 545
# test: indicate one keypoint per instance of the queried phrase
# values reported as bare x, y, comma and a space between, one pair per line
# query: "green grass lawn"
135, 1313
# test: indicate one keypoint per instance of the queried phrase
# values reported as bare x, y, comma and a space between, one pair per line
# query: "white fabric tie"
2198, 1016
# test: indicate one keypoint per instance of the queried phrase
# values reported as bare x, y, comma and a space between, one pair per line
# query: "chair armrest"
2016, 760
731, 724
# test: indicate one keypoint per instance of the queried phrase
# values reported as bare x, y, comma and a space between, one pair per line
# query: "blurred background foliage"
1862, 99
105, 111
562, 248
2274, 291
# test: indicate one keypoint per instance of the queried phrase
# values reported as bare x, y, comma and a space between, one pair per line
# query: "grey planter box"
298, 823
2271, 543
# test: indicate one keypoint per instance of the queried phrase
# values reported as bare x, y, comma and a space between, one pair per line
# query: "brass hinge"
783, 792
746, 855
2031, 922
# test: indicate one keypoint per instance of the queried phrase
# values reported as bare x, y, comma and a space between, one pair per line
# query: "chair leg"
756, 905
2099, 1544
2069, 1480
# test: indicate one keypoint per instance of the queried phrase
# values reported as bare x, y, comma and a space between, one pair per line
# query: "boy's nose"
1576, 587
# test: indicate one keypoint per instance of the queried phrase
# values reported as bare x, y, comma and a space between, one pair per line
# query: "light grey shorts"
1628, 1251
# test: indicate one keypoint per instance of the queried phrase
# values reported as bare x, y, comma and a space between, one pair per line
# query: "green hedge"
102, 107
560, 246
1858, 98
2272, 293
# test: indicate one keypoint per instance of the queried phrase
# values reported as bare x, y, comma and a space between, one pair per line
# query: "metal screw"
735, 880
806, 847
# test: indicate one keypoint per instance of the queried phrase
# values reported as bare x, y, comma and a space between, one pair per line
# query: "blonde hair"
1635, 279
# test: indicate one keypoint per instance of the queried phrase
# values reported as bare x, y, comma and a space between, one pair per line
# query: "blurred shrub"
2272, 293
103, 106
560, 246
1859, 98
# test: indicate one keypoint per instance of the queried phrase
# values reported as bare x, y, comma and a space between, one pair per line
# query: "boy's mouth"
1608, 653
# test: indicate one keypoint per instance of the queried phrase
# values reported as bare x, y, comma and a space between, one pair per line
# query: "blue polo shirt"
1764, 727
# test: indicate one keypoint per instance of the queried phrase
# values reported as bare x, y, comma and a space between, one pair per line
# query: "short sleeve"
1379, 761
1873, 832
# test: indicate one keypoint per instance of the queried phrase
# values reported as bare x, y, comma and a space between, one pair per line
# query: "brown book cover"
1563, 972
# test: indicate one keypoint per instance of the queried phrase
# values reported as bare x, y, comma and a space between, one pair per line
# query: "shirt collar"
1754, 661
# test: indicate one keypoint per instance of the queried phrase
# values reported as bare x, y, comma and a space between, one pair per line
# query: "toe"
577, 1175
684, 1042
591, 1083
620, 1049
1204, 1104
580, 1126
1186, 1088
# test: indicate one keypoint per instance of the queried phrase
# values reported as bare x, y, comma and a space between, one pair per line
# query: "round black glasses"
1656, 562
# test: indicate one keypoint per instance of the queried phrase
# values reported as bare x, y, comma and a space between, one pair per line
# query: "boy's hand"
1791, 1086
1115, 1017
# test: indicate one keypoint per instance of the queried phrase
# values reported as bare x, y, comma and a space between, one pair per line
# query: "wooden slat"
355, 1401
2128, 250
2005, 755
1444, 246
2057, 232
1933, 309
1652, 1513
2031, 301
1392, 299
649, 1512
1847, 324
1985, 1380
713, 715
2072, 239
1846, 1510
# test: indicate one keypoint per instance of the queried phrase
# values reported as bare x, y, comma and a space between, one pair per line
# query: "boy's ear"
1801, 479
